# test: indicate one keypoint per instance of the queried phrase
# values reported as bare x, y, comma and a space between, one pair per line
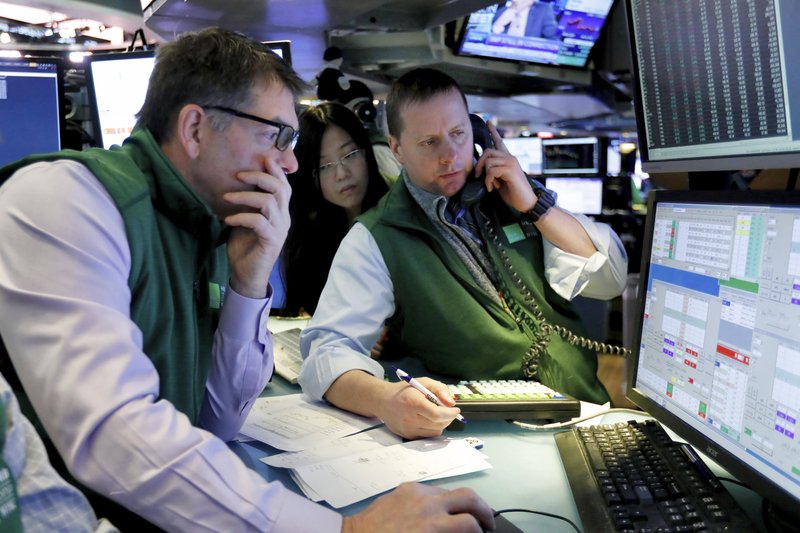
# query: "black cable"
567, 520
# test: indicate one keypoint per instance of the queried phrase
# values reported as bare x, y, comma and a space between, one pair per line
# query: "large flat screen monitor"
566, 156
578, 195
117, 85
551, 32
716, 84
717, 358
32, 116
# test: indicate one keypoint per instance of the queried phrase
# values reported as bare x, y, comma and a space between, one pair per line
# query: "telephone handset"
475, 187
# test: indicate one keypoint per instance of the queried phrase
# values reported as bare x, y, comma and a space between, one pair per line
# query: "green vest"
178, 264
444, 318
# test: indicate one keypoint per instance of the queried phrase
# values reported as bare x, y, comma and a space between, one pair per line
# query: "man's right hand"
404, 409
407, 412
423, 508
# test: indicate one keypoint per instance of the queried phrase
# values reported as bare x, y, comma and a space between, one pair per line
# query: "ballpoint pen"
420, 387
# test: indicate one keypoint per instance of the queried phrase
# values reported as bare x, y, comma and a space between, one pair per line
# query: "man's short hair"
210, 67
418, 85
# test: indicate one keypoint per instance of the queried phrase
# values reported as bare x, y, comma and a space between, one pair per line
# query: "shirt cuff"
300, 514
236, 317
568, 274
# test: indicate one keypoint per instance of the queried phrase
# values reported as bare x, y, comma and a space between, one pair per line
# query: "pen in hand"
420, 387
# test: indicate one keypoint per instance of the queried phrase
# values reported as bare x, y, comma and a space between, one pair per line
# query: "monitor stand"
709, 181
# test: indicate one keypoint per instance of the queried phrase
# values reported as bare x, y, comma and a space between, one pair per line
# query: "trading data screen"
720, 342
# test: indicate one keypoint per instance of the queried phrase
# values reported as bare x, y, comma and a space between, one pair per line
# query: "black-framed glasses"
287, 135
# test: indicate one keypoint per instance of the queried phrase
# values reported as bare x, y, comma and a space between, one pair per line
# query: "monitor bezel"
459, 42
284, 46
690, 164
757, 481
90, 86
60, 89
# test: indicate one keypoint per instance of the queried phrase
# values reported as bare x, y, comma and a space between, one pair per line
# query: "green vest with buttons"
444, 318
178, 260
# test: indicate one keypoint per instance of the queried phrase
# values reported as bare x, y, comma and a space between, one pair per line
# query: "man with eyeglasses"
134, 300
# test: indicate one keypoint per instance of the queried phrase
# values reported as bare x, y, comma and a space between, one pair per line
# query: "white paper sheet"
345, 480
293, 422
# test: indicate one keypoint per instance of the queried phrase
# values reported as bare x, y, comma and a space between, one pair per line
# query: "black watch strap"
546, 200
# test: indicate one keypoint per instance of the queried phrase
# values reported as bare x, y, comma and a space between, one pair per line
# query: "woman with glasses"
337, 180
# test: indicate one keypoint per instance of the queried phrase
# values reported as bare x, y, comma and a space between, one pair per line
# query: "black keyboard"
633, 477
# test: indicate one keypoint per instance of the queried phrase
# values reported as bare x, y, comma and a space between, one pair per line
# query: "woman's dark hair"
210, 67
318, 226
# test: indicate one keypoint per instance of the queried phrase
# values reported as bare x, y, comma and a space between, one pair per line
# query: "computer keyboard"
633, 477
513, 399
286, 345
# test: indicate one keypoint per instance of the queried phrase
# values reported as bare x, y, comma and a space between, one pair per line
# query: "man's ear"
396, 149
188, 130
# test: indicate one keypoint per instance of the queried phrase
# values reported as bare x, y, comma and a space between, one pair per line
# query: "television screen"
578, 195
31, 115
552, 32
528, 151
117, 85
571, 156
723, 93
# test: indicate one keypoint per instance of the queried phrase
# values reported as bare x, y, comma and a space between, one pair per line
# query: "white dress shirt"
64, 316
359, 296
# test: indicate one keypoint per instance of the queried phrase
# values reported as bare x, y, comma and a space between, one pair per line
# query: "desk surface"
526, 471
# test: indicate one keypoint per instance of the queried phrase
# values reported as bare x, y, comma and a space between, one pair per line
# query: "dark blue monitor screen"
31, 120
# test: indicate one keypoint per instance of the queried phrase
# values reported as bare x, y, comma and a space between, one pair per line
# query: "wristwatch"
546, 200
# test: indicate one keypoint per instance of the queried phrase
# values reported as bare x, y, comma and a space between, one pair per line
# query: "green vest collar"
172, 196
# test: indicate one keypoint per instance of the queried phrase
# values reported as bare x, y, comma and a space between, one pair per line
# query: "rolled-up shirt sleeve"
601, 276
355, 303
65, 319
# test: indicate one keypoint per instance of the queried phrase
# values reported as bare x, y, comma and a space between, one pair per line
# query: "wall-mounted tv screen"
571, 156
31, 107
552, 32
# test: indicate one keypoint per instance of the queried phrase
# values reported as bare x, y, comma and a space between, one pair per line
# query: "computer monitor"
282, 48
716, 84
718, 348
117, 85
613, 158
561, 32
578, 195
566, 156
528, 151
32, 118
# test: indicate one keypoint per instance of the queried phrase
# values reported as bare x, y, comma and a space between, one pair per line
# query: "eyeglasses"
329, 169
286, 134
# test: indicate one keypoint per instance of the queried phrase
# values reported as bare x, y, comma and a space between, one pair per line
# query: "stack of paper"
293, 422
343, 468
